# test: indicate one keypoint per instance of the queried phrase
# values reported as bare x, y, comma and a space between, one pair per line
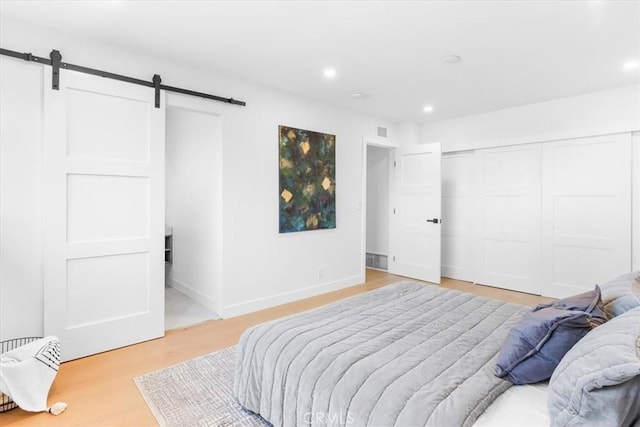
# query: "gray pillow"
621, 294
598, 381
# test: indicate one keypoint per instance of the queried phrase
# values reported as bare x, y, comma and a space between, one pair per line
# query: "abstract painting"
307, 180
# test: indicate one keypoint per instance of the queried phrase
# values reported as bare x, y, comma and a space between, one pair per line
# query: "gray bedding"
403, 355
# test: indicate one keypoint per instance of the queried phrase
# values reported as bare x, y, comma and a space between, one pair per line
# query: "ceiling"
513, 52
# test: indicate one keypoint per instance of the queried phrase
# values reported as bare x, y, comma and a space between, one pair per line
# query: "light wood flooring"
100, 390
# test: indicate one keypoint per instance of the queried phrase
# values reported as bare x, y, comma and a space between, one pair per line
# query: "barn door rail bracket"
56, 58
55, 61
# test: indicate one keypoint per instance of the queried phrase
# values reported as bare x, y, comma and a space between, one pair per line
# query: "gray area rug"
198, 392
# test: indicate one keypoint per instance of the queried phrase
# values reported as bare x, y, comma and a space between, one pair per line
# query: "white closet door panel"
586, 229
458, 175
104, 214
508, 215
507, 259
572, 212
507, 244
457, 257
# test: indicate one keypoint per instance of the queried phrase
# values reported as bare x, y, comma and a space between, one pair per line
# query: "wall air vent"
382, 132
377, 261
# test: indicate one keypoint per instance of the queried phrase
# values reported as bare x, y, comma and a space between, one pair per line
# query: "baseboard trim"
201, 299
286, 297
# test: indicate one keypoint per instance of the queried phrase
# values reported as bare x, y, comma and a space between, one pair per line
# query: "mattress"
406, 354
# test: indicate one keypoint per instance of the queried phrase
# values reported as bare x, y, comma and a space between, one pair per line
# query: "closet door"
586, 228
103, 214
507, 246
458, 177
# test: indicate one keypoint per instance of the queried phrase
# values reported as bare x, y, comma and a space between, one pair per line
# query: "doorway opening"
377, 207
192, 202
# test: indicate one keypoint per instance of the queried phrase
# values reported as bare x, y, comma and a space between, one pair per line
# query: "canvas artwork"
307, 180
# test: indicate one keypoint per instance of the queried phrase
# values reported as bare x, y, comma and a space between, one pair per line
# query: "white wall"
193, 151
21, 296
378, 163
410, 133
597, 113
260, 266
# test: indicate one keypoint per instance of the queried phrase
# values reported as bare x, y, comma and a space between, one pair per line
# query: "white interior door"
508, 218
103, 214
586, 211
415, 237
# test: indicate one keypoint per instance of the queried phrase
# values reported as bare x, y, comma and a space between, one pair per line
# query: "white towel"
27, 372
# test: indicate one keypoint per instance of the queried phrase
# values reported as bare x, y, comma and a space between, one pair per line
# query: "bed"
406, 354
403, 355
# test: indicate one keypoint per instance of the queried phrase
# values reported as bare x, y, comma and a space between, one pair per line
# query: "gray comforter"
403, 355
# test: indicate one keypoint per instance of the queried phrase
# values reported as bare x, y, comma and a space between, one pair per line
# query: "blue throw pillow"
534, 347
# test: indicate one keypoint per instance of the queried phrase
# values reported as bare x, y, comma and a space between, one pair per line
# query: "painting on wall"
307, 180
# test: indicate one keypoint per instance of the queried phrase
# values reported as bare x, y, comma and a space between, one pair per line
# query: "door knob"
434, 220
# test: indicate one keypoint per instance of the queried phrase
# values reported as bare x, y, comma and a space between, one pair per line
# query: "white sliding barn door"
508, 218
415, 239
103, 214
586, 211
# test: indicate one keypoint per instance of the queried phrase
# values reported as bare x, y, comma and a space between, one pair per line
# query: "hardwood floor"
100, 390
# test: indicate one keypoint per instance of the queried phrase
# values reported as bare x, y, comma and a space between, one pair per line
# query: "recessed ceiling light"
359, 95
631, 65
428, 108
330, 73
451, 59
